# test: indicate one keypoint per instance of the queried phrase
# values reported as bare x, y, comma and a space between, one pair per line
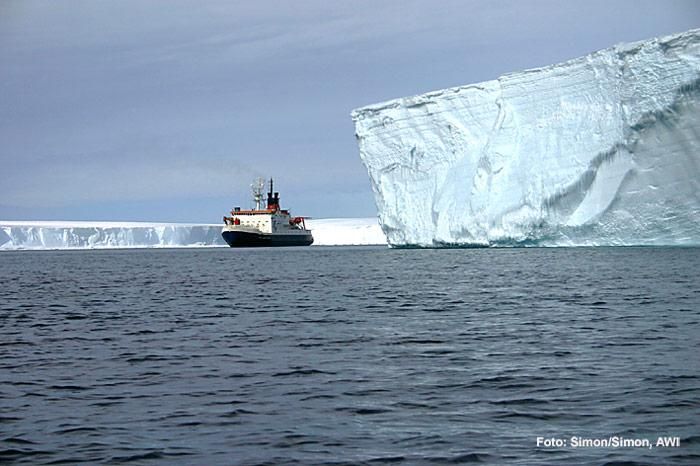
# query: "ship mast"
257, 188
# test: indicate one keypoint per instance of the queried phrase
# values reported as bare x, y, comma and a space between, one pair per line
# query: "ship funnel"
273, 198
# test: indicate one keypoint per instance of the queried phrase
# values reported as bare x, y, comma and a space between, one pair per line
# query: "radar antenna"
257, 188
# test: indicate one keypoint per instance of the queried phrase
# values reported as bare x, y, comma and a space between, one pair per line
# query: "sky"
166, 111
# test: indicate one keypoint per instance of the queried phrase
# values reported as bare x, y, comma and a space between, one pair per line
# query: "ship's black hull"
242, 239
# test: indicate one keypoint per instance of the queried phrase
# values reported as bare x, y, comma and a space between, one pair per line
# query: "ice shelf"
104, 235
599, 150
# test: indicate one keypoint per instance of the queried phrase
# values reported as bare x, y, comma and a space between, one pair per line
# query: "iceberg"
107, 235
599, 150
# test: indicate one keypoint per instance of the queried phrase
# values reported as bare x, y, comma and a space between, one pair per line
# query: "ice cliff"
599, 150
105, 235
81, 235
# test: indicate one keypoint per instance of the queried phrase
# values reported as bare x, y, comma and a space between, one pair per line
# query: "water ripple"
330, 356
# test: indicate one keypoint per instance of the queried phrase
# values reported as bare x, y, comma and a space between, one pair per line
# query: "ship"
265, 226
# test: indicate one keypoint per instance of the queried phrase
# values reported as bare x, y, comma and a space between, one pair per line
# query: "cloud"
100, 180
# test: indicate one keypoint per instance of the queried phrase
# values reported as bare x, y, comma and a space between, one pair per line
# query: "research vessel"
265, 226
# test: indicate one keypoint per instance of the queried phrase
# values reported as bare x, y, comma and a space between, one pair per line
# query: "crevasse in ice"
599, 150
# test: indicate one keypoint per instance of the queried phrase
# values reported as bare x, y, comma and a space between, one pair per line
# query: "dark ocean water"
348, 355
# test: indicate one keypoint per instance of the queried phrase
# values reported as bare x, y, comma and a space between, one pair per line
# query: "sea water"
350, 355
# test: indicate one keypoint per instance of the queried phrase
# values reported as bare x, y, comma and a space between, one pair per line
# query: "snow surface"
103, 235
599, 150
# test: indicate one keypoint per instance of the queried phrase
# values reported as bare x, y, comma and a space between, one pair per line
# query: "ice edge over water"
111, 235
599, 150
